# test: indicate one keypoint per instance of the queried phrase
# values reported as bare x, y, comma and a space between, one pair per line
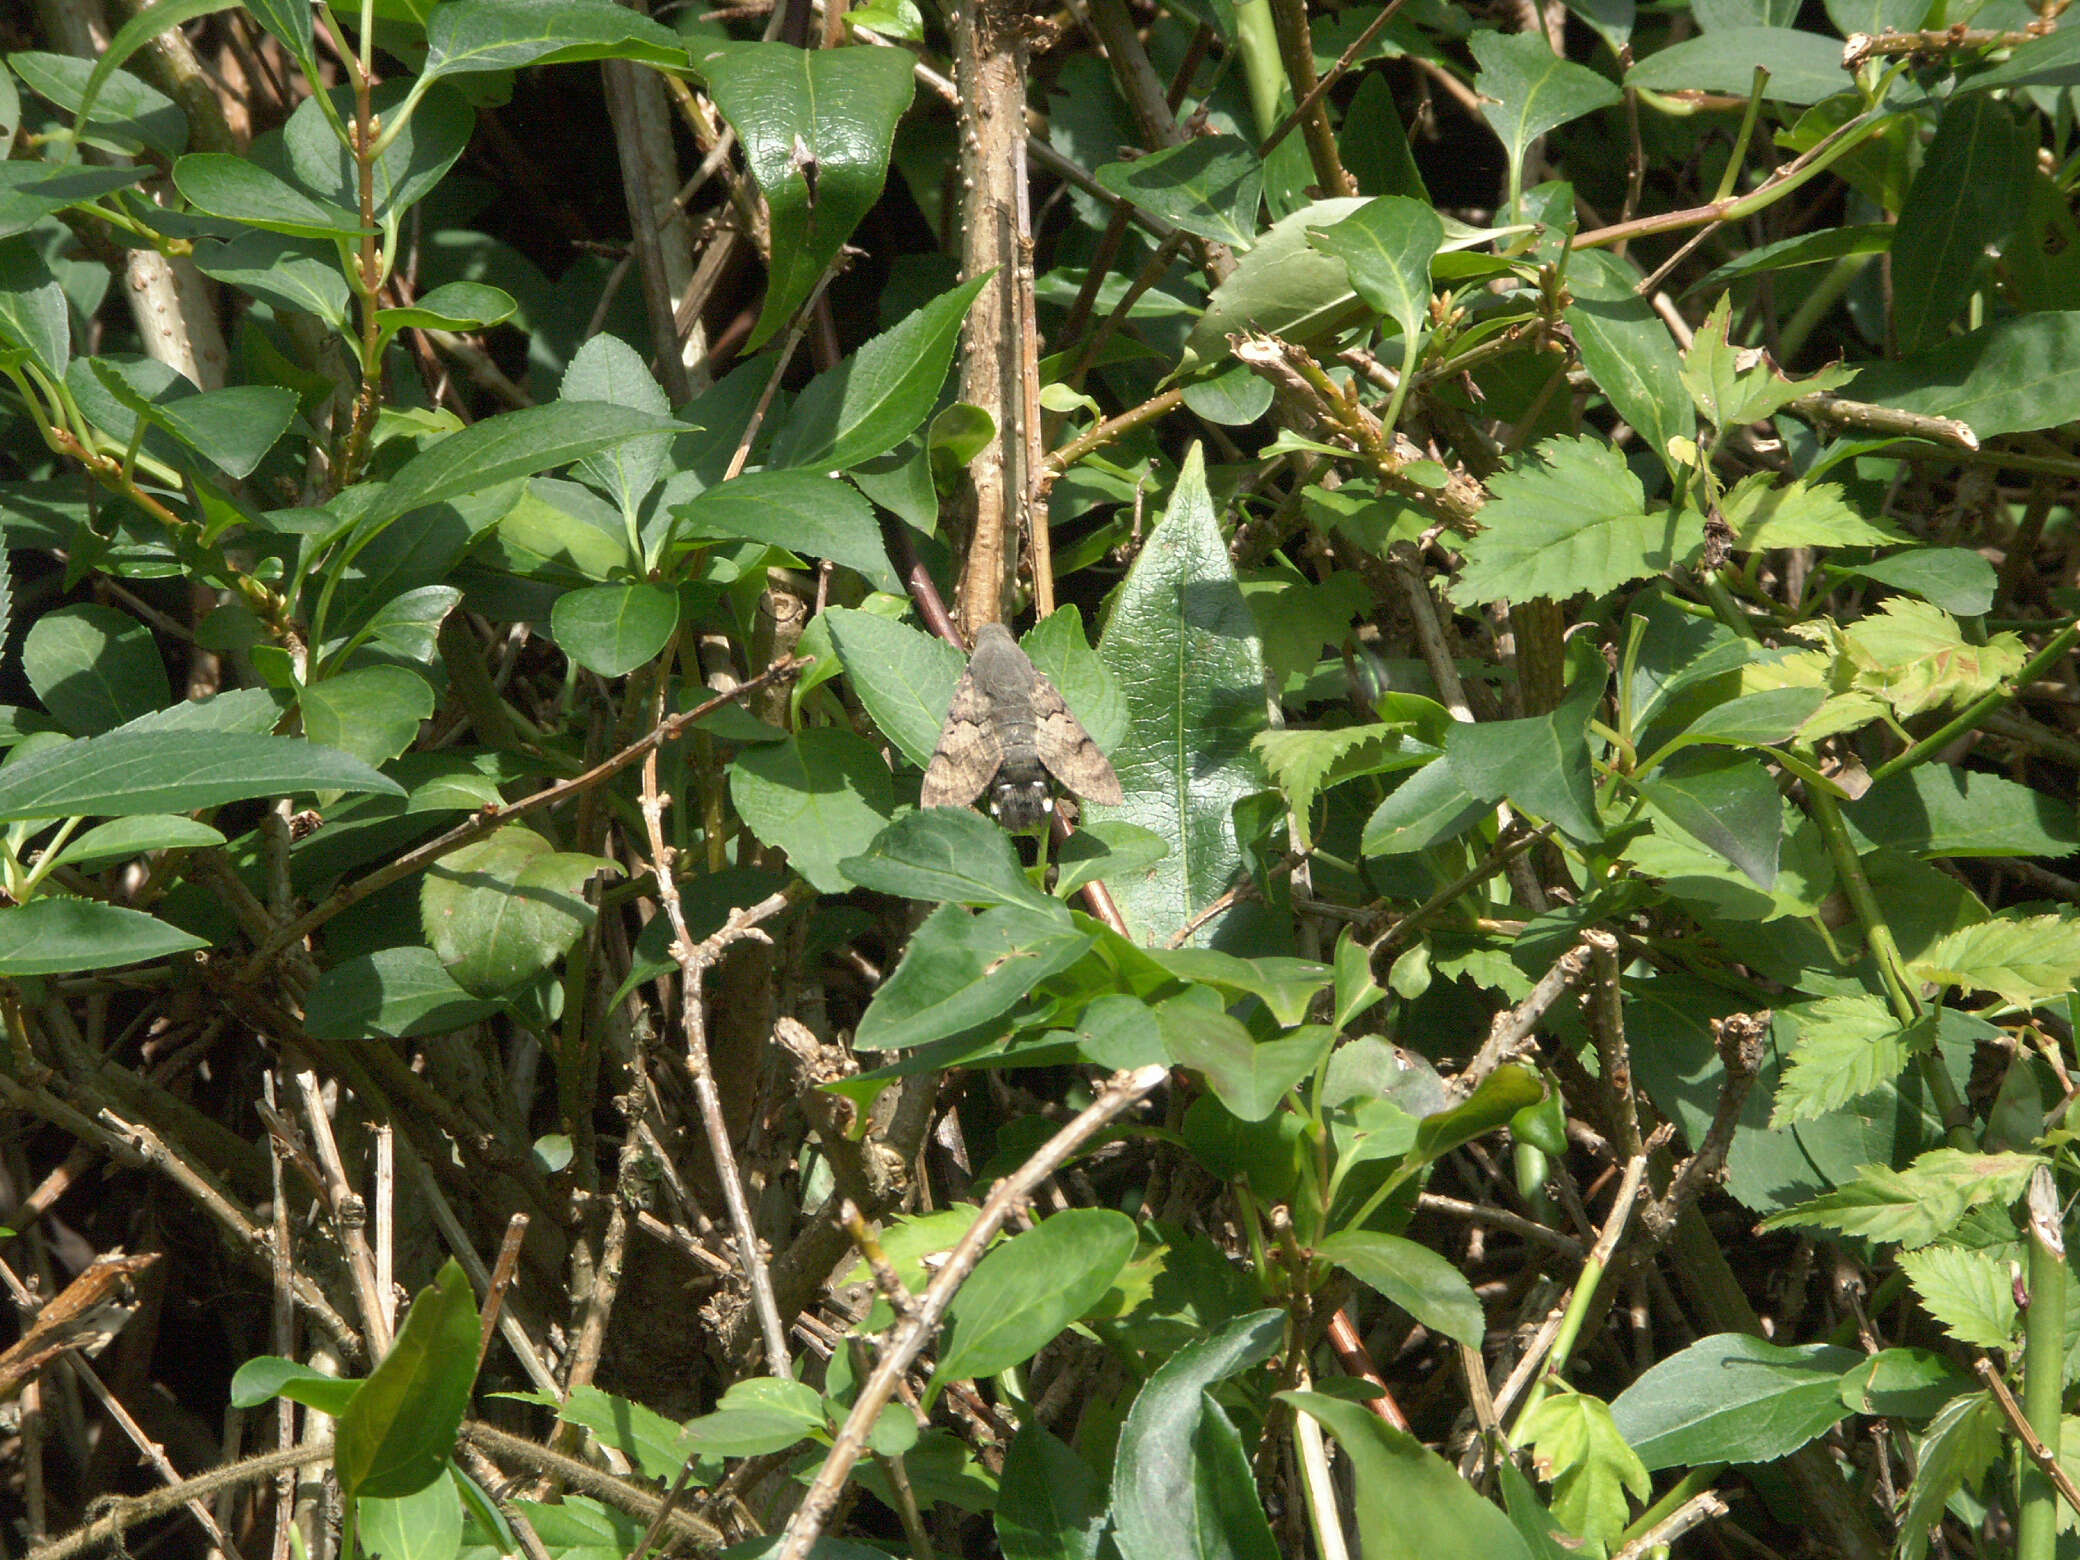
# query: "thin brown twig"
694, 960
910, 1337
491, 818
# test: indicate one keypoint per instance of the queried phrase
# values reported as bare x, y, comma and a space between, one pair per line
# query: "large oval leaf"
1028, 1289
398, 1432
58, 936
500, 912
1184, 648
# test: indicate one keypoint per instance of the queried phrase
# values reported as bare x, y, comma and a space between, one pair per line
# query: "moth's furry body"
1008, 731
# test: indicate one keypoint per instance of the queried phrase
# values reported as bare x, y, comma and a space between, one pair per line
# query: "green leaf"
1570, 517
268, 1376
1803, 67
1411, 1503
1962, 1441
372, 712
755, 1417
1732, 1398
466, 306
1531, 90
1934, 810
1167, 1503
242, 191
134, 771
512, 444
393, 993
94, 667
839, 107
821, 796
1967, 196
878, 397
1954, 578
1763, 515
477, 35
1429, 806
1248, 1075
1050, 1506
1760, 719
613, 629
1504, 1092
1303, 760
134, 34
59, 936
419, 154
904, 678
397, 1434
1821, 246
1027, 1290
949, 854
804, 512
1183, 647
31, 191
1727, 390
233, 428
500, 912
1916, 657
127, 837
34, 317
285, 273
1576, 1448
1970, 1293
1540, 763
1916, 1205
1388, 245
609, 370
1284, 286
1210, 185
2016, 374
422, 1526
1057, 647
409, 624
1628, 351
960, 971
1846, 1047
139, 116
291, 23
1414, 1277
2028, 962
642, 1435
1728, 804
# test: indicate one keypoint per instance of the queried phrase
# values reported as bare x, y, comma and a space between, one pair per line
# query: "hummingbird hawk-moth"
1007, 731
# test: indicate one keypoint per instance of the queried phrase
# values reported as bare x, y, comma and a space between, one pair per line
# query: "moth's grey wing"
1067, 749
968, 754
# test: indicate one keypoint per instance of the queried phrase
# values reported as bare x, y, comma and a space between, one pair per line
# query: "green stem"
2043, 1368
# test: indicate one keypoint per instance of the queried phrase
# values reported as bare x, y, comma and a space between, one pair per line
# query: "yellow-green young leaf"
1734, 385
2024, 962
1915, 1205
1914, 656
1797, 515
1972, 1293
1846, 1046
1576, 1448
1570, 517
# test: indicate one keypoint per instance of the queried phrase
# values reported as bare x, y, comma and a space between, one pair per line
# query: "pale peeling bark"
1000, 352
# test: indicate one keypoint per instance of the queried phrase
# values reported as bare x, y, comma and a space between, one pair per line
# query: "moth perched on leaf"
1007, 731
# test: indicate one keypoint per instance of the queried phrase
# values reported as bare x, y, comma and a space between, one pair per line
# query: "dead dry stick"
1705, 1506
1513, 1026
123, 1515
911, 1336
2032, 1443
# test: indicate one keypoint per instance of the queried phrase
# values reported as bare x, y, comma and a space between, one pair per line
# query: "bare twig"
695, 960
1705, 1506
911, 1336
1513, 1026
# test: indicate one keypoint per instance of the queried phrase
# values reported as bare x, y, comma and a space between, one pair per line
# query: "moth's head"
1021, 798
